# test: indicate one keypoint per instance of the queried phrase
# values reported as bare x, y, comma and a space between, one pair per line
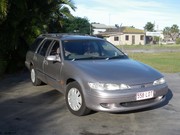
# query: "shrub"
3, 65
178, 41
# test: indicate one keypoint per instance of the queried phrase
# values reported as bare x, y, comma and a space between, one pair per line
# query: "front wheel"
35, 81
75, 100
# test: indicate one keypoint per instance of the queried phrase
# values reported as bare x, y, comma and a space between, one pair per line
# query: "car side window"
36, 43
55, 50
43, 48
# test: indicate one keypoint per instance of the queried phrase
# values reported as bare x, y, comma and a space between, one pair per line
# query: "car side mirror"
54, 58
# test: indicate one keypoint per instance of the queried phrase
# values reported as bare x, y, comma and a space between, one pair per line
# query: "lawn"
149, 47
167, 62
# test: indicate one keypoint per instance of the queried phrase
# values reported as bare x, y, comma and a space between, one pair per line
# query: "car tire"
35, 81
75, 100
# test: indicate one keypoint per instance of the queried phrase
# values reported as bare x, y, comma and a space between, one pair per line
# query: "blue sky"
130, 12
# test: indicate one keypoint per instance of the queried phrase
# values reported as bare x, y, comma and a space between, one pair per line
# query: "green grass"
148, 47
167, 62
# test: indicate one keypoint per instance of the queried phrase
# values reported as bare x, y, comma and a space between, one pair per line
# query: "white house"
124, 36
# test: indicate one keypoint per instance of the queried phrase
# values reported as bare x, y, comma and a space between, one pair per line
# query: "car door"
39, 59
53, 68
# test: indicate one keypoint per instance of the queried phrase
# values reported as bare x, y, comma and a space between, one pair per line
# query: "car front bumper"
125, 100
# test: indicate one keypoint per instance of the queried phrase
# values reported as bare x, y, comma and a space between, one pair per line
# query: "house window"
127, 37
116, 38
142, 37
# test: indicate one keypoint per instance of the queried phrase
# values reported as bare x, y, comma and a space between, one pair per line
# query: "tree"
149, 27
24, 21
171, 32
3, 10
77, 25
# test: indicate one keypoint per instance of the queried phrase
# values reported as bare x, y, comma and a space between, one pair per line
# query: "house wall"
122, 39
137, 39
96, 31
111, 40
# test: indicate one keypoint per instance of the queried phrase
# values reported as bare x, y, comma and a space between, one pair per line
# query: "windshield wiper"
116, 57
88, 58
99, 58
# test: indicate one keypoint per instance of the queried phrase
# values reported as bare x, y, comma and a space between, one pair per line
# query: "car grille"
138, 103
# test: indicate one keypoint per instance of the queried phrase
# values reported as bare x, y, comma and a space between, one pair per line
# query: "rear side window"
36, 43
44, 47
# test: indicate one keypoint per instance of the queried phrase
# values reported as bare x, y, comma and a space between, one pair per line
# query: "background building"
124, 36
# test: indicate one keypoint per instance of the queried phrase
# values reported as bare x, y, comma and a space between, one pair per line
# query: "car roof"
66, 36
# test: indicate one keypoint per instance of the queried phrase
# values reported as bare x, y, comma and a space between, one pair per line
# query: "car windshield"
90, 50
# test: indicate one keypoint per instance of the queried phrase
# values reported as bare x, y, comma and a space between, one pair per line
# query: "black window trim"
34, 47
42, 43
52, 44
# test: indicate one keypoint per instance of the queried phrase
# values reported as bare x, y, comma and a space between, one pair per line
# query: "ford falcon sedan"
93, 74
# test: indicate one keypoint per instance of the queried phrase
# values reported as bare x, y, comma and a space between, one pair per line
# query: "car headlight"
108, 86
159, 81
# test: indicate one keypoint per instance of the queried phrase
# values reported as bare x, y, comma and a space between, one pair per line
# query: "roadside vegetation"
150, 47
22, 21
165, 58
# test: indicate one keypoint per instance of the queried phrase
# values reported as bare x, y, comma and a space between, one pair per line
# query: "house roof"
101, 26
131, 30
126, 30
109, 34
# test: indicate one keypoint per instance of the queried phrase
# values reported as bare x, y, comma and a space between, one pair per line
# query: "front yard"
167, 62
165, 58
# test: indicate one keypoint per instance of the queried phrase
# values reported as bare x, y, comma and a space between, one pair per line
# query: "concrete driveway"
29, 110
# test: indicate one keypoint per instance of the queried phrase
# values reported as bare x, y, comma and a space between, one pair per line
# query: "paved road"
29, 110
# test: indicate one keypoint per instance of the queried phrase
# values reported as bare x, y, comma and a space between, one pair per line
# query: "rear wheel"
35, 81
75, 100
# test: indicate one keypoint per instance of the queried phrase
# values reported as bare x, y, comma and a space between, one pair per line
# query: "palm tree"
21, 21
3, 9
58, 13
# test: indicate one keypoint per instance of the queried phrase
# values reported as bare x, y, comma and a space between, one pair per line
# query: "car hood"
126, 71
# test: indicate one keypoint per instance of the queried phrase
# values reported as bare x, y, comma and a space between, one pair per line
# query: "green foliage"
3, 10
178, 41
172, 32
149, 27
24, 21
156, 39
77, 25
3, 65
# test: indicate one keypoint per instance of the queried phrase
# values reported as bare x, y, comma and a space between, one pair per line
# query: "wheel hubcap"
33, 75
74, 99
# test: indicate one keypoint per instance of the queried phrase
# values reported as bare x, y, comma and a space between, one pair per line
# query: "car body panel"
125, 71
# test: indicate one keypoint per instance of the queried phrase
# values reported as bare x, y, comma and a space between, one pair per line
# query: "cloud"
127, 12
